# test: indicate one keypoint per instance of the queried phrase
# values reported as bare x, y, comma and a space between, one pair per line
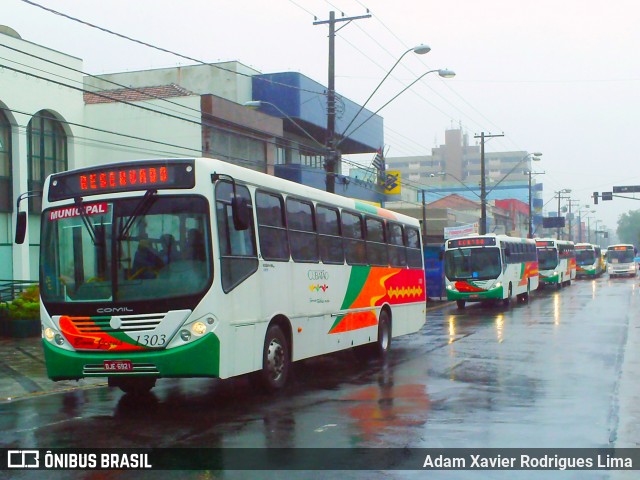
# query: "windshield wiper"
85, 219
141, 209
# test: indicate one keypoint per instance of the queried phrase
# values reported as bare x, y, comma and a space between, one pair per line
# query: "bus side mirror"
21, 227
241, 213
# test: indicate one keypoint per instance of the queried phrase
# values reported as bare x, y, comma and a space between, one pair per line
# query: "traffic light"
595, 198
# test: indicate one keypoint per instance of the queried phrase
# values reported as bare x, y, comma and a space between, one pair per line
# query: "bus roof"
249, 177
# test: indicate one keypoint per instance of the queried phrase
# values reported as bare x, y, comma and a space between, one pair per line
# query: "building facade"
54, 117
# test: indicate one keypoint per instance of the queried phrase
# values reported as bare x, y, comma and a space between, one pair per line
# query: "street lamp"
443, 72
559, 194
419, 50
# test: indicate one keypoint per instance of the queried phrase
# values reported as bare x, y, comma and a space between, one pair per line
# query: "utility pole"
332, 155
571, 202
483, 184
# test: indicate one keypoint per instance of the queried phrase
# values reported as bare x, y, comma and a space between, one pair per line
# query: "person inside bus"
195, 246
146, 262
169, 251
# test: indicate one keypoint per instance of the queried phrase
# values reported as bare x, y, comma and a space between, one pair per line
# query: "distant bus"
621, 260
556, 261
588, 260
490, 268
201, 268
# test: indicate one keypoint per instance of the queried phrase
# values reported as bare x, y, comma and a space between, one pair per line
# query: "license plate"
118, 365
475, 295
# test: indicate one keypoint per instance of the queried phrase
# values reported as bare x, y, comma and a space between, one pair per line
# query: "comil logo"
23, 459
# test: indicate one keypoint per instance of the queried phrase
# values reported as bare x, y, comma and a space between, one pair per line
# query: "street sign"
553, 222
607, 196
627, 189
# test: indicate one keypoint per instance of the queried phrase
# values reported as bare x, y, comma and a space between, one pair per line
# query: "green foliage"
629, 227
26, 306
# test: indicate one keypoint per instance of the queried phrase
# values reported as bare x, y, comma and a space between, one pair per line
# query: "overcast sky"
560, 77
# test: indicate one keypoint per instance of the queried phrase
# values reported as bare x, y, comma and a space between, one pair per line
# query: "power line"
165, 50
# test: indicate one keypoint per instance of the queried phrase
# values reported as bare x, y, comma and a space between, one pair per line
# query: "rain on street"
543, 374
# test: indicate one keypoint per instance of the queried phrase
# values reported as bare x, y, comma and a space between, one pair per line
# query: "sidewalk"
23, 374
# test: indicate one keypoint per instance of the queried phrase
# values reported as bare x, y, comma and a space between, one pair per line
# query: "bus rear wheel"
276, 361
384, 335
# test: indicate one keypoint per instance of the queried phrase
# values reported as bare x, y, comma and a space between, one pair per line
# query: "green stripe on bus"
357, 279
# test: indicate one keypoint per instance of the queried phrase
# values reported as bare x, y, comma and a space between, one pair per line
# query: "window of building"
47, 152
238, 149
5, 165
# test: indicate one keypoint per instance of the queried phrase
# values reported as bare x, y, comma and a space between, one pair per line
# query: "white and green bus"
490, 268
200, 268
588, 260
556, 261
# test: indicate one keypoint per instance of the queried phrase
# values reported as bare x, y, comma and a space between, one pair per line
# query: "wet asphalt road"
557, 372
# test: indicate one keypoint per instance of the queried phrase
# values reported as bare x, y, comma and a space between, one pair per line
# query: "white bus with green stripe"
200, 268
490, 268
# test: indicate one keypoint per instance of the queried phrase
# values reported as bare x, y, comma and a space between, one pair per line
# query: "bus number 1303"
151, 340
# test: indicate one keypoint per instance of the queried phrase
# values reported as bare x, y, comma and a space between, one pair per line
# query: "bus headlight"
554, 274
497, 285
59, 339
450, 287
185, 335
199, 328
49, 334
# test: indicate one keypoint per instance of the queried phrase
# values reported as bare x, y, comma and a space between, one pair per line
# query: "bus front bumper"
200, 358
491, 294
552, 279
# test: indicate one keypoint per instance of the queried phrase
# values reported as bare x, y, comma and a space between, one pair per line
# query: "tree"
629, 227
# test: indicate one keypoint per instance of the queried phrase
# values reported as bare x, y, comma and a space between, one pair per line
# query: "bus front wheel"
460, 304
507, 301
276, 361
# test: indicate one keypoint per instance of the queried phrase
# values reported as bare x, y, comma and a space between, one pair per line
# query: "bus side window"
397, 250
376, 244
354, 247
238, 254
330, 243
272, 231
302, 231
414, 252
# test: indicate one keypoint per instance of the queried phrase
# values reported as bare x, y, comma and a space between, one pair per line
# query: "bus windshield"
585, 257
473, 263
547, 258
126, 250
620, 256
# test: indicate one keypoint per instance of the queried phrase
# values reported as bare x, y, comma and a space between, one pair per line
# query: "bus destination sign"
544, 243
622, 247
472, 242
124, 177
